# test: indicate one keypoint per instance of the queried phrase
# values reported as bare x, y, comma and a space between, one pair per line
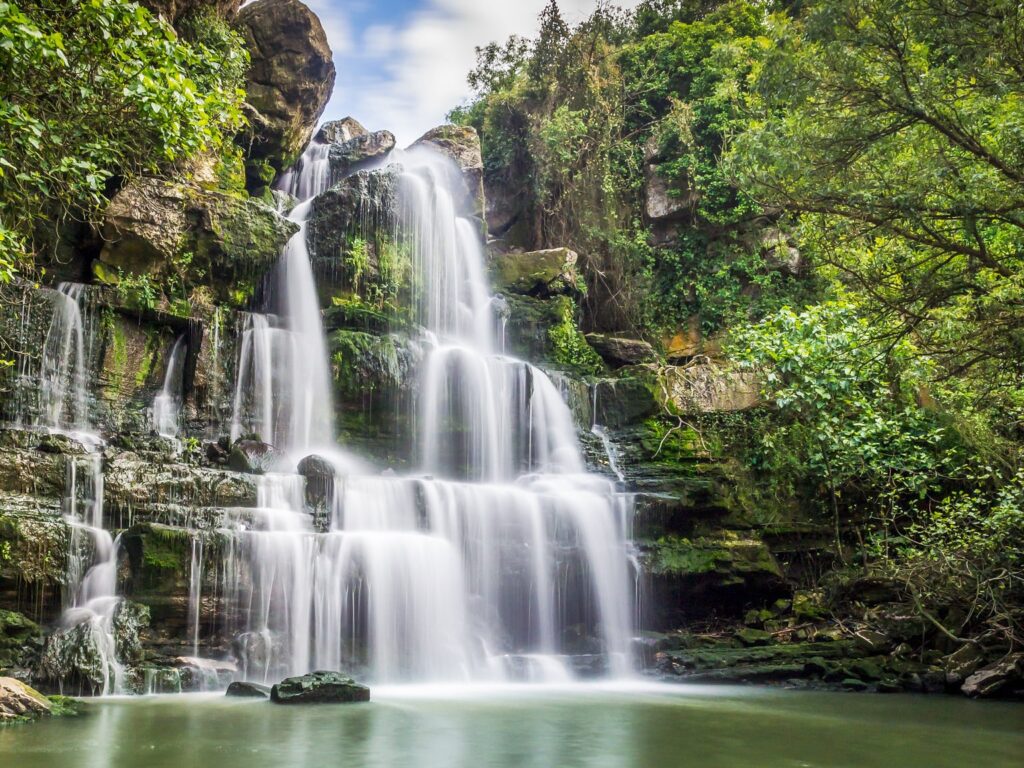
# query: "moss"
166, 549
65, 706
725, 554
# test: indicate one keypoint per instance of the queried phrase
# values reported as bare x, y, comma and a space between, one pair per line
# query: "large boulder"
703, 386
18, 633
359, 151
19, 701
162, 229
319, 688
461, 144
291, 76
245, 690
540, 274
1004, 677
619, 351
340, 131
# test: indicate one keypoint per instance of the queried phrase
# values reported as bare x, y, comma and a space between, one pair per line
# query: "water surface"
533, 727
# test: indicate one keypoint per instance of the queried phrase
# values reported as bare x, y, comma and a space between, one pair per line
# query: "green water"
618, 727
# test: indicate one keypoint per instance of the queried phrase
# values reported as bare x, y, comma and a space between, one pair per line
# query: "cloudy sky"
402, 64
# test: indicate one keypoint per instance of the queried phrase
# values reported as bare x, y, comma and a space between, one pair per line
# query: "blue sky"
402, 64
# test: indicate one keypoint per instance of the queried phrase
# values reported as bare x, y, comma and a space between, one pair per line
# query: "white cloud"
336, 26
423, 61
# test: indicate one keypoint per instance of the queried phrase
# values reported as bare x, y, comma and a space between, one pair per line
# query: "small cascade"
92, 570
283, 386
167, 404
63, 399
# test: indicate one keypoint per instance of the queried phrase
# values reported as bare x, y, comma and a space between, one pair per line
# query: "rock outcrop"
340, 131
540, 274
163, 229
291, 76
619, 351
359, 151
19, 701
462, 145
319, 688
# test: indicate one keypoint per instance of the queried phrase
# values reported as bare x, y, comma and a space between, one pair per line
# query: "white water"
63, 401
92, 567
514, 566
167, 403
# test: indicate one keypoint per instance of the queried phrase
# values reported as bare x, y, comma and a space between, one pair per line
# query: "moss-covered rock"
20, 702
19, 637
722, 574
540, 274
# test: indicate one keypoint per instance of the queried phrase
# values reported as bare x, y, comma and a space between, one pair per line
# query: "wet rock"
1002, 677
246, 690
540, 274
19, 701
753, 637
199, 674
130, 619
618, 351
18, 635
349, 156
461, 144
340, 131
75, 659
291, 76
962, 663
319, 688
853, 684
872, 641
253, 457
319, 475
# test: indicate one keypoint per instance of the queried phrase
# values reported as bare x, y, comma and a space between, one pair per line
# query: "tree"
895, 129
95, 90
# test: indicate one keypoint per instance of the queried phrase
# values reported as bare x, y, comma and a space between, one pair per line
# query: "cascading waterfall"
92, 568
504, 560
63, 403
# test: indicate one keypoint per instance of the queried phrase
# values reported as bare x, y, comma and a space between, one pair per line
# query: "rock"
703, 386
163, 229
889, 686
19, 701
779, 252
751, 637
996, 679
618, 351
172, 10
340, 131
660, 205
319, 474
349, 156
17, 634
290, 79
853, 684
319, 688
247, 690
962, 663
872, 641
253, 457
724, 572
540, 274
461, 144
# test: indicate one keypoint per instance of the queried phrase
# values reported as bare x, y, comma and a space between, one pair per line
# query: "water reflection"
535, 727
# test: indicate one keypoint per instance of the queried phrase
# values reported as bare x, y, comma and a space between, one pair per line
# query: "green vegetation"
94, 93
832, 190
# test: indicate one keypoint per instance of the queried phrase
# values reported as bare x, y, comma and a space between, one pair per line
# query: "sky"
402, 64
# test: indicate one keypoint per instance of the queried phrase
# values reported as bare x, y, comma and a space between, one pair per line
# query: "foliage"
569, 347
98, 90
848, 417
895, 129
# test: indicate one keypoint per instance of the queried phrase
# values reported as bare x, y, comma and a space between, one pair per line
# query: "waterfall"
63, 400
92, 569
501, 558
167, 404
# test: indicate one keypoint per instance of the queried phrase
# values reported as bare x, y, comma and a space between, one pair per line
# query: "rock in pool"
244, 690
319, 688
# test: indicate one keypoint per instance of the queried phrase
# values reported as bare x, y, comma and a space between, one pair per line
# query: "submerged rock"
246, 690
319, 688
